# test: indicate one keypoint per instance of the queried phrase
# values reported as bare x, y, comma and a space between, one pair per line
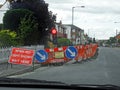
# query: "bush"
8, 38
63, 42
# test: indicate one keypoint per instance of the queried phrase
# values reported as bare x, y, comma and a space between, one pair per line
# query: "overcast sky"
97, 18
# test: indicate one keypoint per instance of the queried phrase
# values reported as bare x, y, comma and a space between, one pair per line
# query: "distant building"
71, 32
102, 42
117, 36
75, 34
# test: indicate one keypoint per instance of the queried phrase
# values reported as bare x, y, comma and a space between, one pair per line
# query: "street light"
116, 31
73, 12
73, 18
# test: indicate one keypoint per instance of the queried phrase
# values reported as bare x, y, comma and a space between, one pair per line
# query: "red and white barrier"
57, 55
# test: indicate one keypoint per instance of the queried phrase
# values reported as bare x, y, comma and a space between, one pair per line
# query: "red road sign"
21, 56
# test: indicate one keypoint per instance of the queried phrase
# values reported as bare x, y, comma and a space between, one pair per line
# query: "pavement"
12, 69
7, 69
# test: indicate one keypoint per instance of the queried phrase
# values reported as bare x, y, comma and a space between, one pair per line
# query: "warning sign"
59, 54
21, 56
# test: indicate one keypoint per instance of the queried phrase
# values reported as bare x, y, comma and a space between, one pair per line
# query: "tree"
24, 24
112, 40
28, 29
119, 41
44, 19
12, 19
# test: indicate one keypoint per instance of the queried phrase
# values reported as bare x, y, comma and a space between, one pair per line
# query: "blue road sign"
71, 52
41, 55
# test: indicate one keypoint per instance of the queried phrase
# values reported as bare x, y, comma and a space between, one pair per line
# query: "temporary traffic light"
54, 31
54, 35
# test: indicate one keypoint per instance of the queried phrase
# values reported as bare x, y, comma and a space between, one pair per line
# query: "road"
105, 69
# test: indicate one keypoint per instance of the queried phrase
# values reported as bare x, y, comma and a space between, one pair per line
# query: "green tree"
112, 40
8, 38
44, 18
12, 19
63, 42
119, 41
28, 29
108, 42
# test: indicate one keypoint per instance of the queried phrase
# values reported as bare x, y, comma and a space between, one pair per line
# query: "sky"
97, 18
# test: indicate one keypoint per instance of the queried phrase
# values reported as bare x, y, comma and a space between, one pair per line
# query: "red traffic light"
54, 31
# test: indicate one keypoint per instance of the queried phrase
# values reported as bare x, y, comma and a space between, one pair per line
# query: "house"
75, 34
71, 32
61, 30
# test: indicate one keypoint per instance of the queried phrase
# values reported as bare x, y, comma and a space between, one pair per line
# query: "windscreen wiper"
32, 83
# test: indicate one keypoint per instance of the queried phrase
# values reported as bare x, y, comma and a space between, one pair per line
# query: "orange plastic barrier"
50, 56
57, 55
80, 54
85, 51
89, 51
94, 49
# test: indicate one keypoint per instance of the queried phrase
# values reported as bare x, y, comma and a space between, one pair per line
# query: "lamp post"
73, 17
73, 12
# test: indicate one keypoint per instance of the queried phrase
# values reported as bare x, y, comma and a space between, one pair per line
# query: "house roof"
118, 36
73, 26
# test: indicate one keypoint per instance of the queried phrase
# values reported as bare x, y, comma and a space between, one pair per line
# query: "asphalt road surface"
105, 69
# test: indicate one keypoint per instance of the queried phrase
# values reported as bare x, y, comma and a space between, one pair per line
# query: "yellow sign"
59, 54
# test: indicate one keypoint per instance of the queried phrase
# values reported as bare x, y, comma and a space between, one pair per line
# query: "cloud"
2, 1
94, 6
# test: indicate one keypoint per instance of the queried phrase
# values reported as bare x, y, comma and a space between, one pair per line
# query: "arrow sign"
41, 55
71, 52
